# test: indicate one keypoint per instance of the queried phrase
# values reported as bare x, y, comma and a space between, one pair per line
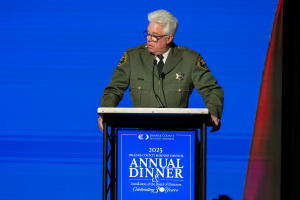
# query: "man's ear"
170, 39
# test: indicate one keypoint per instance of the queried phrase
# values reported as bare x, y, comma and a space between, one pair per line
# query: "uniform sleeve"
206, 84
114, 91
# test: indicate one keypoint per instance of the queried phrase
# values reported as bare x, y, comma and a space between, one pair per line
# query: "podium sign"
156, 164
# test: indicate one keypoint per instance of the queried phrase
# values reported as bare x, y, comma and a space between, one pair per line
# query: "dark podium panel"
174, 119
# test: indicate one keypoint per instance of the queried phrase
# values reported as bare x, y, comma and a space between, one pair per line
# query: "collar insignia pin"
179, 76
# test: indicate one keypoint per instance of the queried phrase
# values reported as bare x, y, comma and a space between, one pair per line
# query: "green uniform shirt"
184, 70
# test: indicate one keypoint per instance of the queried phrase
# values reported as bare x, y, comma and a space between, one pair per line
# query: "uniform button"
139, 88
179, 90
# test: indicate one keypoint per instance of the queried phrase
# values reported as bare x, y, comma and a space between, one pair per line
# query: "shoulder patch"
123, 59
201, 63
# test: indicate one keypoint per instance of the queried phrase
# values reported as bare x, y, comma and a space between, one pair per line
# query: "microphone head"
154, 62
162, 75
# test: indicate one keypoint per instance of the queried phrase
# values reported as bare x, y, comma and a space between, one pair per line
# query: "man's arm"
100, 123
213, 94
217, 123
113, 93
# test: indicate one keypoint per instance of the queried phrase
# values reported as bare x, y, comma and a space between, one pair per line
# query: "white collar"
165, 55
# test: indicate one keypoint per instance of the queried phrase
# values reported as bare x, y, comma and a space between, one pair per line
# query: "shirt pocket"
177, 96
140, 93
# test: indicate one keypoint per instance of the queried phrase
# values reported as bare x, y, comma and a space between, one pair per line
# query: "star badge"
179, 76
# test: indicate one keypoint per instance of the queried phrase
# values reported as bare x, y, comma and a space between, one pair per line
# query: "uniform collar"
173, 58
165, 55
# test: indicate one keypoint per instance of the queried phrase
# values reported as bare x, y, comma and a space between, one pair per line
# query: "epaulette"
200, 62
141, 46
183, 48
124, 57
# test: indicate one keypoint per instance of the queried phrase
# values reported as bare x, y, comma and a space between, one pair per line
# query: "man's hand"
100, 123
216, 122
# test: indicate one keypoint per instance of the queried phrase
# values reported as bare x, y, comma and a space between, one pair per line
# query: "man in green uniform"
161, 74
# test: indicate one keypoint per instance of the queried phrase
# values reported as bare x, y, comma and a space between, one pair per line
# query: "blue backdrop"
56, 57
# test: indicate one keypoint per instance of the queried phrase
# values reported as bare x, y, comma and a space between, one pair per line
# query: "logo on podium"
143, 136
156, 164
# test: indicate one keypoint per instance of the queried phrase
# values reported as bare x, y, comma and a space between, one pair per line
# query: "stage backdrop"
58, 55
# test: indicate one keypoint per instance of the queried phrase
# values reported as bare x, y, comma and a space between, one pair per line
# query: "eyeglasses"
154, 38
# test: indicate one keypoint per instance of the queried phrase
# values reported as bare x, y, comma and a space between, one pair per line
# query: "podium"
153, 119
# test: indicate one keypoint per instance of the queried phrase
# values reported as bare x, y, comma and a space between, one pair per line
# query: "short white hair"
166, 19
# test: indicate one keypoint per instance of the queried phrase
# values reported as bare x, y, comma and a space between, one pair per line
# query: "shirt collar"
165, 55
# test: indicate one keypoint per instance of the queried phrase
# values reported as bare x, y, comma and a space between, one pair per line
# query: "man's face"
162, 45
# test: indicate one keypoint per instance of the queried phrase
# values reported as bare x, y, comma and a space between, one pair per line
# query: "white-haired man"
161, 74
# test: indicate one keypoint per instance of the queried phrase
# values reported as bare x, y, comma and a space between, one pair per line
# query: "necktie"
160, 64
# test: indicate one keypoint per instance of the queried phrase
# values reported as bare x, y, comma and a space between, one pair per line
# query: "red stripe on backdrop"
263, 173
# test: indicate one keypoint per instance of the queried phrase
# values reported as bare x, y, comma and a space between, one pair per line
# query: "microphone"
161, 105
163, 75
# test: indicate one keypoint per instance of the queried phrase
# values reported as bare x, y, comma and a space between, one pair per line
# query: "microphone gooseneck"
161, 105
154, 63
163, 75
